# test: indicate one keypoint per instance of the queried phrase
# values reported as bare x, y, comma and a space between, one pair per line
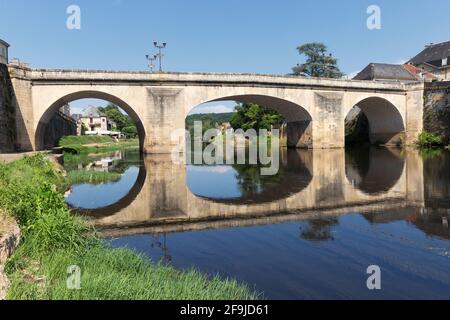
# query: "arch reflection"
373, 170
243, 184
125, 163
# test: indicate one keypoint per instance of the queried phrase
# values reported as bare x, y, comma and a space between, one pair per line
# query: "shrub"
130, 132
430, 140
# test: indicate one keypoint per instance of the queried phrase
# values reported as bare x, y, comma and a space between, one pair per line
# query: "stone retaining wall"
9, 240
437, 109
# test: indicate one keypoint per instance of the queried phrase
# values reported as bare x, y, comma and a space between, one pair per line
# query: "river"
309, 232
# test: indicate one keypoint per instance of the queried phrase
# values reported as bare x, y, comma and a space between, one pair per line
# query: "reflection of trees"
129, 159
318, 229
251, 182
357, 163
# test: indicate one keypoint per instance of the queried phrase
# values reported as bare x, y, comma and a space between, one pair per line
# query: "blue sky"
255, 36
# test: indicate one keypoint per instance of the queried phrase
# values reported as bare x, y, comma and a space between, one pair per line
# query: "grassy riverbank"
54, 239
95, 144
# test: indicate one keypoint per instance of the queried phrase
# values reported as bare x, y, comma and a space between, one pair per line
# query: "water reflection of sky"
278, 261
213, 181
87, 196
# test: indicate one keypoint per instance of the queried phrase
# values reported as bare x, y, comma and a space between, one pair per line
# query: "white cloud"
213, 108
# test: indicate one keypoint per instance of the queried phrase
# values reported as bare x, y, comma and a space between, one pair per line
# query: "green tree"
254, 116
207, 123
319, 62
121, 120
130, 132
320, 229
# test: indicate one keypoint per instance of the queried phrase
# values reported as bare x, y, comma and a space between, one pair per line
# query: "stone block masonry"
7, 113
437, 109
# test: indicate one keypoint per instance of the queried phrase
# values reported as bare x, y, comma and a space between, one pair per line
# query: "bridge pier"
164, 121
328, 126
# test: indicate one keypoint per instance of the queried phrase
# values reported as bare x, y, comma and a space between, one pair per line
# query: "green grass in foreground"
53, 239
92, 177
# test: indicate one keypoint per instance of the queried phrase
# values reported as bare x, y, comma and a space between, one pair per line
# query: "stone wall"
437, 109
7, 112
9, 240
60, 125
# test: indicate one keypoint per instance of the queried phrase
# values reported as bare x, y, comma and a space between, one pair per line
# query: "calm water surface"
309, 232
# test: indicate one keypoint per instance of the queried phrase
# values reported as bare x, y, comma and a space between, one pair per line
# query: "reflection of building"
95, 122
433, 60
4, 52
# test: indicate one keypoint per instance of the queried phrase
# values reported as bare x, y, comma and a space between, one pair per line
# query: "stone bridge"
314, 109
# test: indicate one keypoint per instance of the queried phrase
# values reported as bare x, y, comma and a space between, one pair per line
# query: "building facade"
94, 122
434, 60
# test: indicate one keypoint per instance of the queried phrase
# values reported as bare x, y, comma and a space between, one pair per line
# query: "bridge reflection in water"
311, 184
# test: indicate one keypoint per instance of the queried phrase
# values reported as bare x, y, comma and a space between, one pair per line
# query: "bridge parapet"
48, 75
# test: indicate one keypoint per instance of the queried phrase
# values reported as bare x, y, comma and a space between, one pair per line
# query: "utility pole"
160, 46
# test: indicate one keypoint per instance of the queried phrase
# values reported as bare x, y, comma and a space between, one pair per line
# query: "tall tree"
319, 62
254, 116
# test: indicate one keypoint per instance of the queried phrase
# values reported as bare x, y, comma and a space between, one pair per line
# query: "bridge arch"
86, 94
386, 119
298, 128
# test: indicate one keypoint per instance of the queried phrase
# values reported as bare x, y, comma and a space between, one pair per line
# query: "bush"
130, 132
430, 140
